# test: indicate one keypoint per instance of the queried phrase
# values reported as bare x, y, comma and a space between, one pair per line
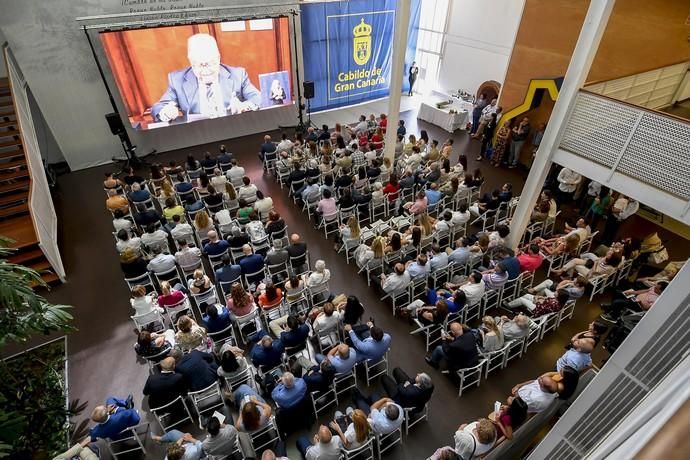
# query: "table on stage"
443, 118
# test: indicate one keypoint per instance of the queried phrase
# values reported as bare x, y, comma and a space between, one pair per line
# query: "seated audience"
198, 368
267, 353
397, 282
165, 386
385, 415
254, 413
342, 357
221, 439
408, 392
353, 428
458, 350
112, 418
324, 446
475, 439
290, 392
509, 417
289, 330
190, 335
537, 306
232, 361
170, 296
537, 394
640, 300
579, 356
372, 348
216, 317
516, 328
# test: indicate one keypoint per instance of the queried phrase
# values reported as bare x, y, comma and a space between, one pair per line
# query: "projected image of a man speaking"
207, 88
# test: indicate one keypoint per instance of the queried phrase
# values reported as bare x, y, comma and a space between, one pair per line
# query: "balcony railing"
647, 146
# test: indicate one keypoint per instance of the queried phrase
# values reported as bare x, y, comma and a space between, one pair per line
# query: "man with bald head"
537, 394
207, 87
268, 353
251, 263
298, 251
290, 392
458, 350
342, 357
111, 419
324, 447
579, 356
164, 387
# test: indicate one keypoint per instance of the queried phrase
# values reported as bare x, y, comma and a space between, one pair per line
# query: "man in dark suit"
408, 392
344, 180
319, 376
459, 349
206, 87
197, 368
289, 330
164, 387
268, 353
297, 250
251, 263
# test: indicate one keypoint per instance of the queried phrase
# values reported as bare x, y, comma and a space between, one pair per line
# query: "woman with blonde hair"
357, 431
230, 196
349, 234
190, 335
490, 334
170, 295
426, 222
166, 189
363, 254
203, 224
199, 283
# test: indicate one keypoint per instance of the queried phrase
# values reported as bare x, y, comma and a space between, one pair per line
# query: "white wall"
54, 57
479, 41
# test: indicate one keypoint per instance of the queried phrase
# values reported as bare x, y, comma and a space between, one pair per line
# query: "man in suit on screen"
207, 87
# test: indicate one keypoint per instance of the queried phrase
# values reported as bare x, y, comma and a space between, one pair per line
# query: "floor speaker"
115, 123
308, 89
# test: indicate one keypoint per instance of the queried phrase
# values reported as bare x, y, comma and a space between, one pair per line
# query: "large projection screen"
185, 73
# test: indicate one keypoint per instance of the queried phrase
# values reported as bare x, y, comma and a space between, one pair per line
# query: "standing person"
501, 144
622, 208
487, 138
568, 180
536, 141
479, 105
599, 207
520, 133
412, 76
486, 118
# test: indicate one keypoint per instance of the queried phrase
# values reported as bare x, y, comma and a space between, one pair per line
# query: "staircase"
15, 183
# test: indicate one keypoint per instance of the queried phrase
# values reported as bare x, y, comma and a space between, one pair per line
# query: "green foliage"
33, 401
22, 311
33, 417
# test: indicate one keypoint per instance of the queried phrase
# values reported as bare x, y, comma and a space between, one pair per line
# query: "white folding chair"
251, 319
143, 280
363, 452
413, 416
264, 437
388, 441
173, 414
174, 310
496, 359
153, 317
374, 369
344, 382
471, 376
132, 439
207, 399
322, 400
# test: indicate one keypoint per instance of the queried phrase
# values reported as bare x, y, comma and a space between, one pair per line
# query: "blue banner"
348, 49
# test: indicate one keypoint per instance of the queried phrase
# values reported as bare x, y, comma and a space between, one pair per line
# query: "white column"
402, 20
585, 50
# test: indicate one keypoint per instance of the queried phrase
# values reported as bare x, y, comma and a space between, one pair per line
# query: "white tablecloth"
441, 117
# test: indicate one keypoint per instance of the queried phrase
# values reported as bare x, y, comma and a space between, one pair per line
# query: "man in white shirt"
161, 262
581, 229
235, 173
538, 394
485, 118
124, 241
325, 446
181, 230
396, 282
439, 259
186, 256
248, 191
120, 223
473, 288
568, 180
285, 144
154, 238
362, 125
327, 319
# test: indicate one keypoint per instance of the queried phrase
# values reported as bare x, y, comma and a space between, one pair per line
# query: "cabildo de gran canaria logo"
361, 43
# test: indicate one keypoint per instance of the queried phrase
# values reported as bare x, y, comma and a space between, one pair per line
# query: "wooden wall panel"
641, 35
